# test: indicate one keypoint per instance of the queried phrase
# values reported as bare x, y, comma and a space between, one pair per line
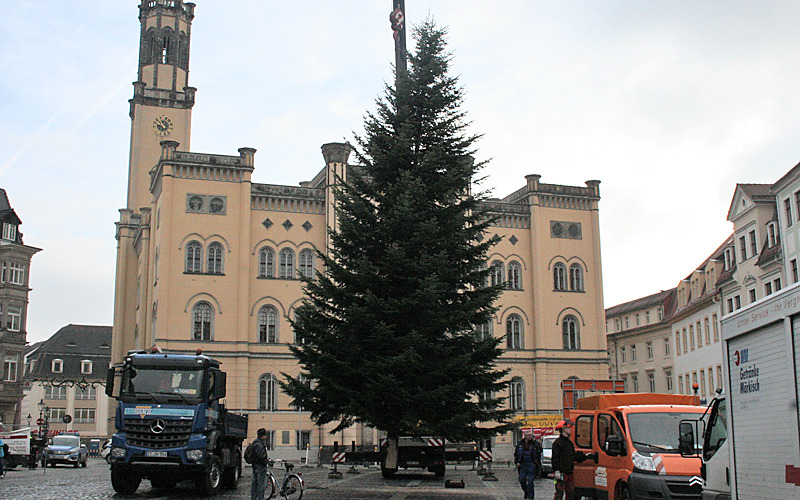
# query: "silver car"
547, 453
66, 449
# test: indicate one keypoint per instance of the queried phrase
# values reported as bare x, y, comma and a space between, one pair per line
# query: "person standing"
260, 459
2, 458
564, 458
528, 459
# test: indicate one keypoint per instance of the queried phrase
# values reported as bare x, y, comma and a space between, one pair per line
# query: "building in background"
66, 374
753, 261
640, 348
15, 265
208, 259
695, 328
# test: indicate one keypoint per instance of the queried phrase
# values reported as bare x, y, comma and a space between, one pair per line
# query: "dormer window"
9, 231
772, 239
57, 366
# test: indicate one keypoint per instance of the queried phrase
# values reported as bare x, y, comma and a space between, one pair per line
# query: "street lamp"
29, 420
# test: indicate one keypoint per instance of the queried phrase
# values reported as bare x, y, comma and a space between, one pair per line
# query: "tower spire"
398, 20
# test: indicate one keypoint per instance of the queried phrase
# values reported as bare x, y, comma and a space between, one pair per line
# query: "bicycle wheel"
293, 488
271, 489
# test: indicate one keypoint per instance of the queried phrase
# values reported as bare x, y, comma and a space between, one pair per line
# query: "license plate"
160, 454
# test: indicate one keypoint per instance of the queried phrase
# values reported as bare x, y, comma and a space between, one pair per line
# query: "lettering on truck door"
609, 470
584, 471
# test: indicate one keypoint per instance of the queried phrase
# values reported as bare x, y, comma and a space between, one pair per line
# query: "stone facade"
15, 260
208, 259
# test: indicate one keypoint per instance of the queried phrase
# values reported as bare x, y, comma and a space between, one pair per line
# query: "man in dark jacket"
259, 484
563, 460
528, 459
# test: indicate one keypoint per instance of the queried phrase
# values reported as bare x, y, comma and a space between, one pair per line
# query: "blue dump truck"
171, 425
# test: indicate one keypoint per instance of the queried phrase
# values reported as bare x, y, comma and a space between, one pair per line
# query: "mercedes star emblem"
158, 426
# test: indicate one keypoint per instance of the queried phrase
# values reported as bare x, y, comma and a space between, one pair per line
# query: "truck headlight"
643, 462
195, 455
117, 452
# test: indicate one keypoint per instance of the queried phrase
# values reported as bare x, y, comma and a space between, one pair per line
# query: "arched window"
202, 321
268, 325
559, 277
514, 275
286, 266
485, 330
514, 332
516, 394
576, 278
571, 333
194, 257
306, 261
267, 393
266, 263
215, 258
496, 276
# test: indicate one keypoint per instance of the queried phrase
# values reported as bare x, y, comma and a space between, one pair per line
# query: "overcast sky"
669, 104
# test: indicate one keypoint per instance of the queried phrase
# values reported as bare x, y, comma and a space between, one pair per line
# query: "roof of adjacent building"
657, 299
73, 344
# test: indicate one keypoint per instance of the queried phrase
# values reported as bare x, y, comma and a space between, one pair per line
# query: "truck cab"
638, 453
171, 424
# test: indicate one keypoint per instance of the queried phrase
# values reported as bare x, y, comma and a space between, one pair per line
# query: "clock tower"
161, 112
161, 107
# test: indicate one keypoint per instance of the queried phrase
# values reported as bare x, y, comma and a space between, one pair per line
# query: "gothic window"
496, 275
516, 394
484, 330
194, 252
559, 277
286, 265
514, 275
514, 332
570, 331
306, 261
215, 260
267, 393
202, 321
268, 325
266, 263
576, 278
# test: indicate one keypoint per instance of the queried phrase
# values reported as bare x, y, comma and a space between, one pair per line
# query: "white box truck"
761, 352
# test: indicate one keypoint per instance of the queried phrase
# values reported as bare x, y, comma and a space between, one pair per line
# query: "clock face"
162, 125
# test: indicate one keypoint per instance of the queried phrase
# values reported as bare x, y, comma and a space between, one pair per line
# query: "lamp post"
29, 420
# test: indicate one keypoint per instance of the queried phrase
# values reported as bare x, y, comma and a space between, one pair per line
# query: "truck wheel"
230, 478
438, 470
387, 473
623, 493
209, 483
123, 483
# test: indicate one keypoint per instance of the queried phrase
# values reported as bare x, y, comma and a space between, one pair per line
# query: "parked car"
547, 453
66, 449
105, 451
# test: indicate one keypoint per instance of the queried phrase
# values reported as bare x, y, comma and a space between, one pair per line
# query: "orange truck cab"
637, 447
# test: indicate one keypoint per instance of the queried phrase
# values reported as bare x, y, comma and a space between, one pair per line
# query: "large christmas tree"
389, 326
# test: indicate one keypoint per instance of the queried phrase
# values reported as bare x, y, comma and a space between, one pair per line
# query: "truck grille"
680, 489
140, 433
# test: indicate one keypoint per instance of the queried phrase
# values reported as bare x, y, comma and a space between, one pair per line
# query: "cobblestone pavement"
95, 482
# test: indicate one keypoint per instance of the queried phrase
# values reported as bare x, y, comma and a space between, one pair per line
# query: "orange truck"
637, 447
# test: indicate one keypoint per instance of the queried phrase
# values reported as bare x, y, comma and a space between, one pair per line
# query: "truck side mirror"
219, 383
686, 439
110, 381
614, 446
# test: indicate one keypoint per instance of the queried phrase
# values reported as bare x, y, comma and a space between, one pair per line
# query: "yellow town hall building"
209, 259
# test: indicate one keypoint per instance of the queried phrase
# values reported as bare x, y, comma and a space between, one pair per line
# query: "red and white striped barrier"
435, 441
484, 455
338, 457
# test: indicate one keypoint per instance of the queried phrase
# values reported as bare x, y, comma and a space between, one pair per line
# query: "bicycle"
291, 488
